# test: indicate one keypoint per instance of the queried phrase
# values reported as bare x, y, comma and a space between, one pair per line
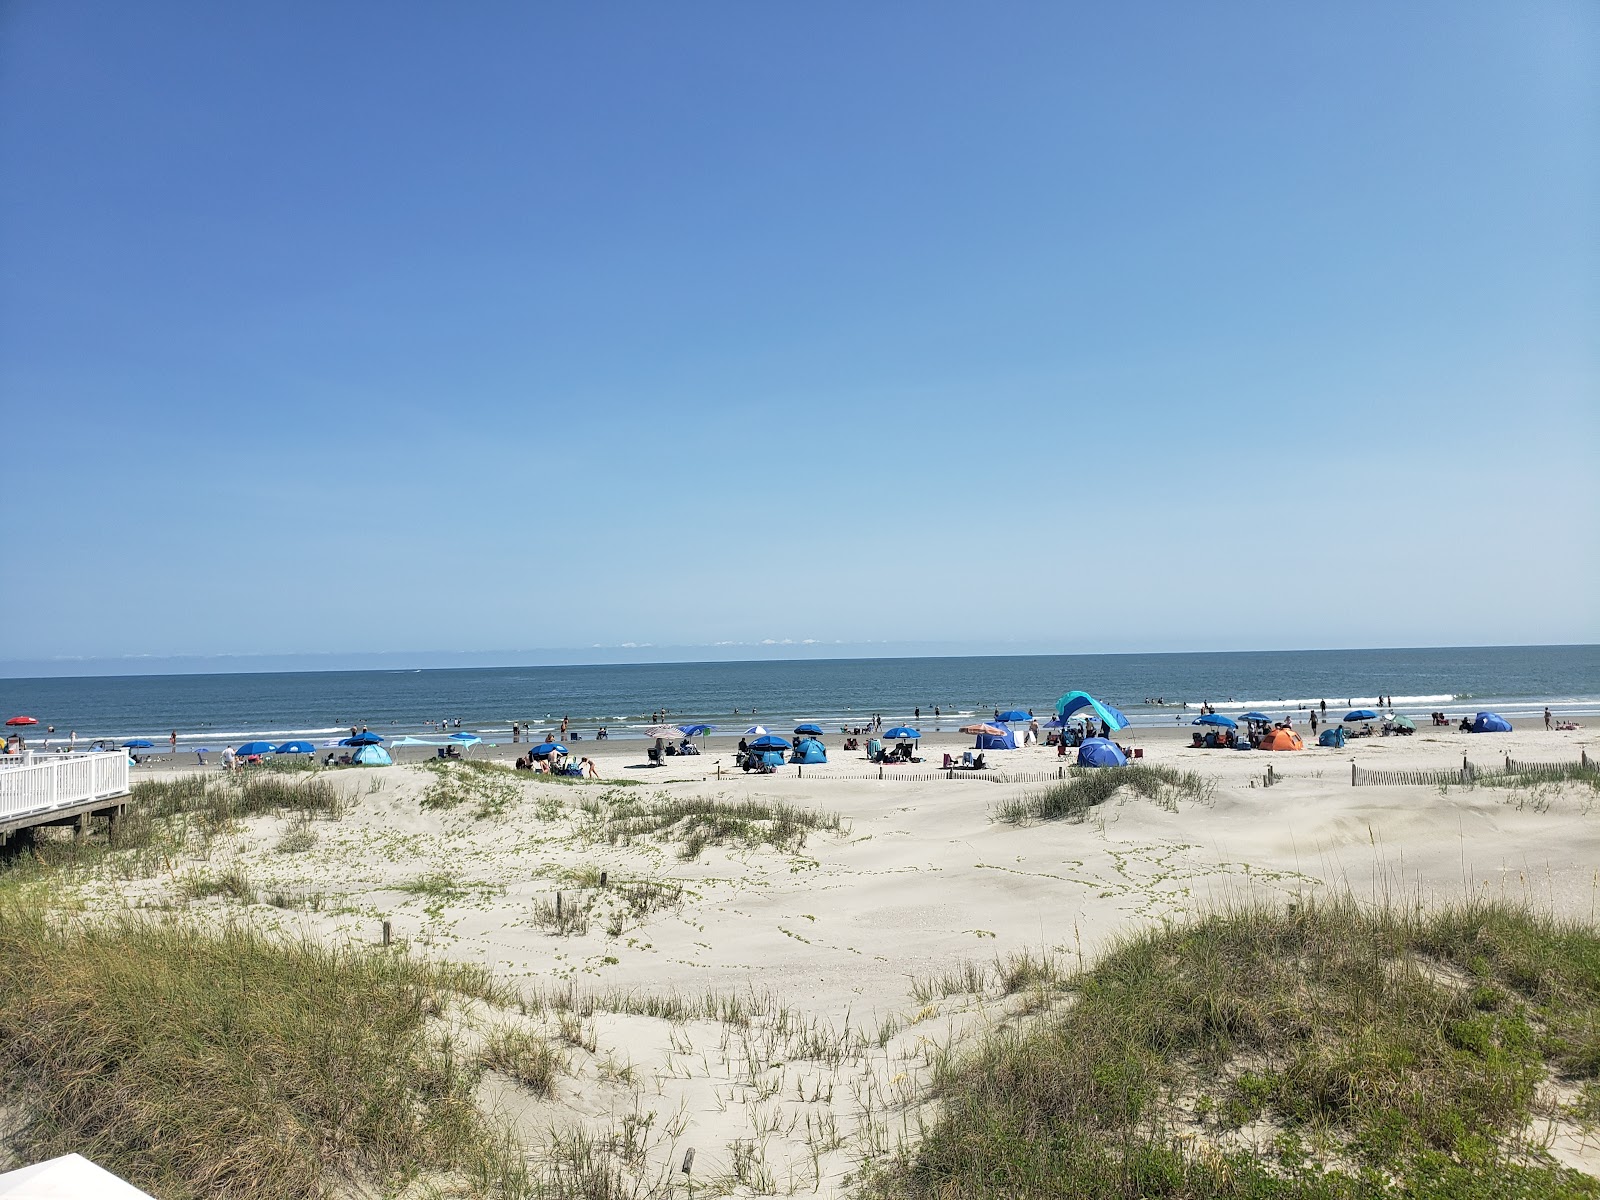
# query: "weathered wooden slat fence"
1470, 773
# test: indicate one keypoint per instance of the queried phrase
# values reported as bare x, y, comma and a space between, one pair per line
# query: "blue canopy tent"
1073, 702
808, 751
372, 756
249, 748
1016, 714
1488, 722
1101, 752
1361, 714
1216, 719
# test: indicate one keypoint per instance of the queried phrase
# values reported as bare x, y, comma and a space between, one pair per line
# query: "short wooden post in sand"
388, 933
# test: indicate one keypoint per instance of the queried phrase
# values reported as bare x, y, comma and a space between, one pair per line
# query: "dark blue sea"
1516, 681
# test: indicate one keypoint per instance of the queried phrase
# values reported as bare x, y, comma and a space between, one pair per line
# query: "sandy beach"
853, 946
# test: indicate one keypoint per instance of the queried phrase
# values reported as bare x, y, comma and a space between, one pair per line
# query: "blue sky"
359, 328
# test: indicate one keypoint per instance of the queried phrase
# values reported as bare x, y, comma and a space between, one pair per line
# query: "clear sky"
394, 327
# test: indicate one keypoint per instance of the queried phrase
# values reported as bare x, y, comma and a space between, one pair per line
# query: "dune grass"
1376, 1053
225, 1064
1086, 787
696, 822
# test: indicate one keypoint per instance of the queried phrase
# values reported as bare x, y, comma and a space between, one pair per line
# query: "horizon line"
214, 663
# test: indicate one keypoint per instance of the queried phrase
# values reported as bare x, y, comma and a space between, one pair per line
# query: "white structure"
71, 1177
42, 785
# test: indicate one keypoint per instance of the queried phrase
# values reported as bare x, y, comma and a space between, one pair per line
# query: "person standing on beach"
1547, 718
172, 741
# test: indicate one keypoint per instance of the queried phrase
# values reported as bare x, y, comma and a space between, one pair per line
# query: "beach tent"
1078, 701
66, 1178
372, 756
809, 751
1000, 739
1282, 739
1101, 752
1488, 722
771, 758
1332, 736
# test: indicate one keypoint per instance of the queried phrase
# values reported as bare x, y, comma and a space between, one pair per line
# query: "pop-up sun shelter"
1282, 739
1074, 702
1488, 722
1101, 752
808, 751
372, 756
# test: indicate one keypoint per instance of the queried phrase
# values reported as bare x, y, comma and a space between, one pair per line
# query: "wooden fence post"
388, 933
1352, 774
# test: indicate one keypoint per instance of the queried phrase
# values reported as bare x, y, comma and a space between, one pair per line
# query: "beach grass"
695, 822
1086, 787
205, 1064
1319, 1050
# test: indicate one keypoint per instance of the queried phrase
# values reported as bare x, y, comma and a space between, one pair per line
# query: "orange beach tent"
1282, 739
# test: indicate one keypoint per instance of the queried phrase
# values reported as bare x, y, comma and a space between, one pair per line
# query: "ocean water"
1516, 681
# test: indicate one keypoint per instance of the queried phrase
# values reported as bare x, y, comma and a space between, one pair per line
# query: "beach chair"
654, 754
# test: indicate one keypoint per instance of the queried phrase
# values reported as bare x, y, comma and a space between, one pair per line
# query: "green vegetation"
1378, 1054
203, 1065
526, 1058
1086, 787
488, 788
699, 821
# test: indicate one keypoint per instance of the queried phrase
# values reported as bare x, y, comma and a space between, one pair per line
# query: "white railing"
43, 783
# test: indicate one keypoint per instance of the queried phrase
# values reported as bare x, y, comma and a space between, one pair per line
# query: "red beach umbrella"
23, 721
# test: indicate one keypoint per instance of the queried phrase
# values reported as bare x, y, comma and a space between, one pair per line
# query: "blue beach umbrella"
363, 739
695, 730
546, 749
138, 744
296, 748
809, 727
756, 731
1256, 716
1216, 719
769, 742
465, 739
1016, 714
256, 748
902, 733
1361, 714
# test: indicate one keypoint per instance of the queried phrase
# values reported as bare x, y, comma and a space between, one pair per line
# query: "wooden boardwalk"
60, 789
